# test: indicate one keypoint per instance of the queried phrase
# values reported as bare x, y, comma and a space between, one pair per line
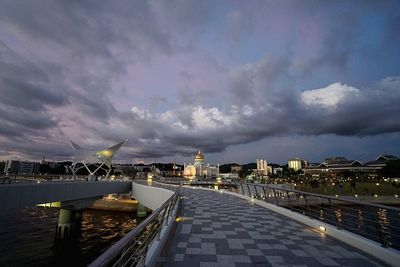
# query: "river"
27, 236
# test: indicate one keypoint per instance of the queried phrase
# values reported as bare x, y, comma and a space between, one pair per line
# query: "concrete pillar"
69, 224
92, 177
141, 211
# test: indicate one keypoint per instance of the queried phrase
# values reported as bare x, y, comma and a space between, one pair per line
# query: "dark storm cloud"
25, 95
372, 112
63, 66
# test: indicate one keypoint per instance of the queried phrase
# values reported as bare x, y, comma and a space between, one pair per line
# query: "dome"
199, 156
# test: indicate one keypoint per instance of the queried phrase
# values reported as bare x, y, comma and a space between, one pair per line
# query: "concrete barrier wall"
16, 196
151, 197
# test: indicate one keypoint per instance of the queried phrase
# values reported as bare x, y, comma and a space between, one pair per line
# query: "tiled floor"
223, 230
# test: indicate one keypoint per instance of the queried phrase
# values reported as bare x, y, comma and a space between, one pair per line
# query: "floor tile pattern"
223, 230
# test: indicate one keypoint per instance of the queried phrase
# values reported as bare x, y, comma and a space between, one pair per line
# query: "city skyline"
237, 80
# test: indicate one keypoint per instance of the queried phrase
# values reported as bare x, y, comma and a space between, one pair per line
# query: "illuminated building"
295, 164
263, 168
199, 169
334, 166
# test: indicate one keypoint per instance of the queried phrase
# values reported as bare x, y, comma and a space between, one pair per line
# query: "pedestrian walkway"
223, 230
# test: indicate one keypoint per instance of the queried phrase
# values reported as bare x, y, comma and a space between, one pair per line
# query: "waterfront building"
14, 167
381, 161
199, 169
334, 165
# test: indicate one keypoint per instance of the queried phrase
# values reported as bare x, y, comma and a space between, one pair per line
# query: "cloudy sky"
239, 80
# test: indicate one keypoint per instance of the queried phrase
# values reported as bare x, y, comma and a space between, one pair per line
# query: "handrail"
374, 221
340, 198
117, 253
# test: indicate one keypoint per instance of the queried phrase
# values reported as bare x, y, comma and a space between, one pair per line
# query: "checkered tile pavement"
223, 230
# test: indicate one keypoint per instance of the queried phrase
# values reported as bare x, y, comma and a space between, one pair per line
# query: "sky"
239, 80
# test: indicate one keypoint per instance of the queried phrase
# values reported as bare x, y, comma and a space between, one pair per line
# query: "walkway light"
356, 195
396, 196
377, 184
375, 195
322, 228
179, 219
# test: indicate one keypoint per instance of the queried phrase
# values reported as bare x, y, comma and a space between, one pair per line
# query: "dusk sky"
239, 80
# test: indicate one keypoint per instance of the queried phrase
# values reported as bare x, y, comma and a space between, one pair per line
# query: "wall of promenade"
151, 197
16, 196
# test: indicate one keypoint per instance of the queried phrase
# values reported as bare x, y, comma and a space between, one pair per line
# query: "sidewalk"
223, 230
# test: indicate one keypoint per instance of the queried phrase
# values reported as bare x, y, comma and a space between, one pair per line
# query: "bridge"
250, 225
16, 196
221, 228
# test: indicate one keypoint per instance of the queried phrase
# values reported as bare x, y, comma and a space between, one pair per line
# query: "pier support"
69, 224
141, 211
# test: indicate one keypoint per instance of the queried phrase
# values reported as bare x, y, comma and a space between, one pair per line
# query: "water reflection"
383, 227
27, 237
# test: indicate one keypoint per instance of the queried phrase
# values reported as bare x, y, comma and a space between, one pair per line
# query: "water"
27, 237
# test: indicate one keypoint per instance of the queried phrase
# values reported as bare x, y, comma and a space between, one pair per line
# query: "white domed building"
199, 169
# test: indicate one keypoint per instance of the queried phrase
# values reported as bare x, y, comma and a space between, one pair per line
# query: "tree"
392, 169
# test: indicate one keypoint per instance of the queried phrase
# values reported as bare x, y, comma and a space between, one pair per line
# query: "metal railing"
194, 182
132, 249
376, 222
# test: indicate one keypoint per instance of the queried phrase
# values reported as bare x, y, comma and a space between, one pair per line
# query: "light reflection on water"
27, 237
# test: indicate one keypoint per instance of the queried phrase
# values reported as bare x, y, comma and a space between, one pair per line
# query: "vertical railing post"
336, 214
265, 193
248, 188
276, 197
241, 185
255, 189
290, 200
307, 205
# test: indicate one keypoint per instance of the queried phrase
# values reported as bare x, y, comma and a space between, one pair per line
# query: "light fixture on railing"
336, 195
396, 196
356, 195
322, 228
179, 219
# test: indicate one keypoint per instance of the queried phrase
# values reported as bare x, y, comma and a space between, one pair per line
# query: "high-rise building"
295, 164
263, 168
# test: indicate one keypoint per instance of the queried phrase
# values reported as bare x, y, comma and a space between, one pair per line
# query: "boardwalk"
223, 230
